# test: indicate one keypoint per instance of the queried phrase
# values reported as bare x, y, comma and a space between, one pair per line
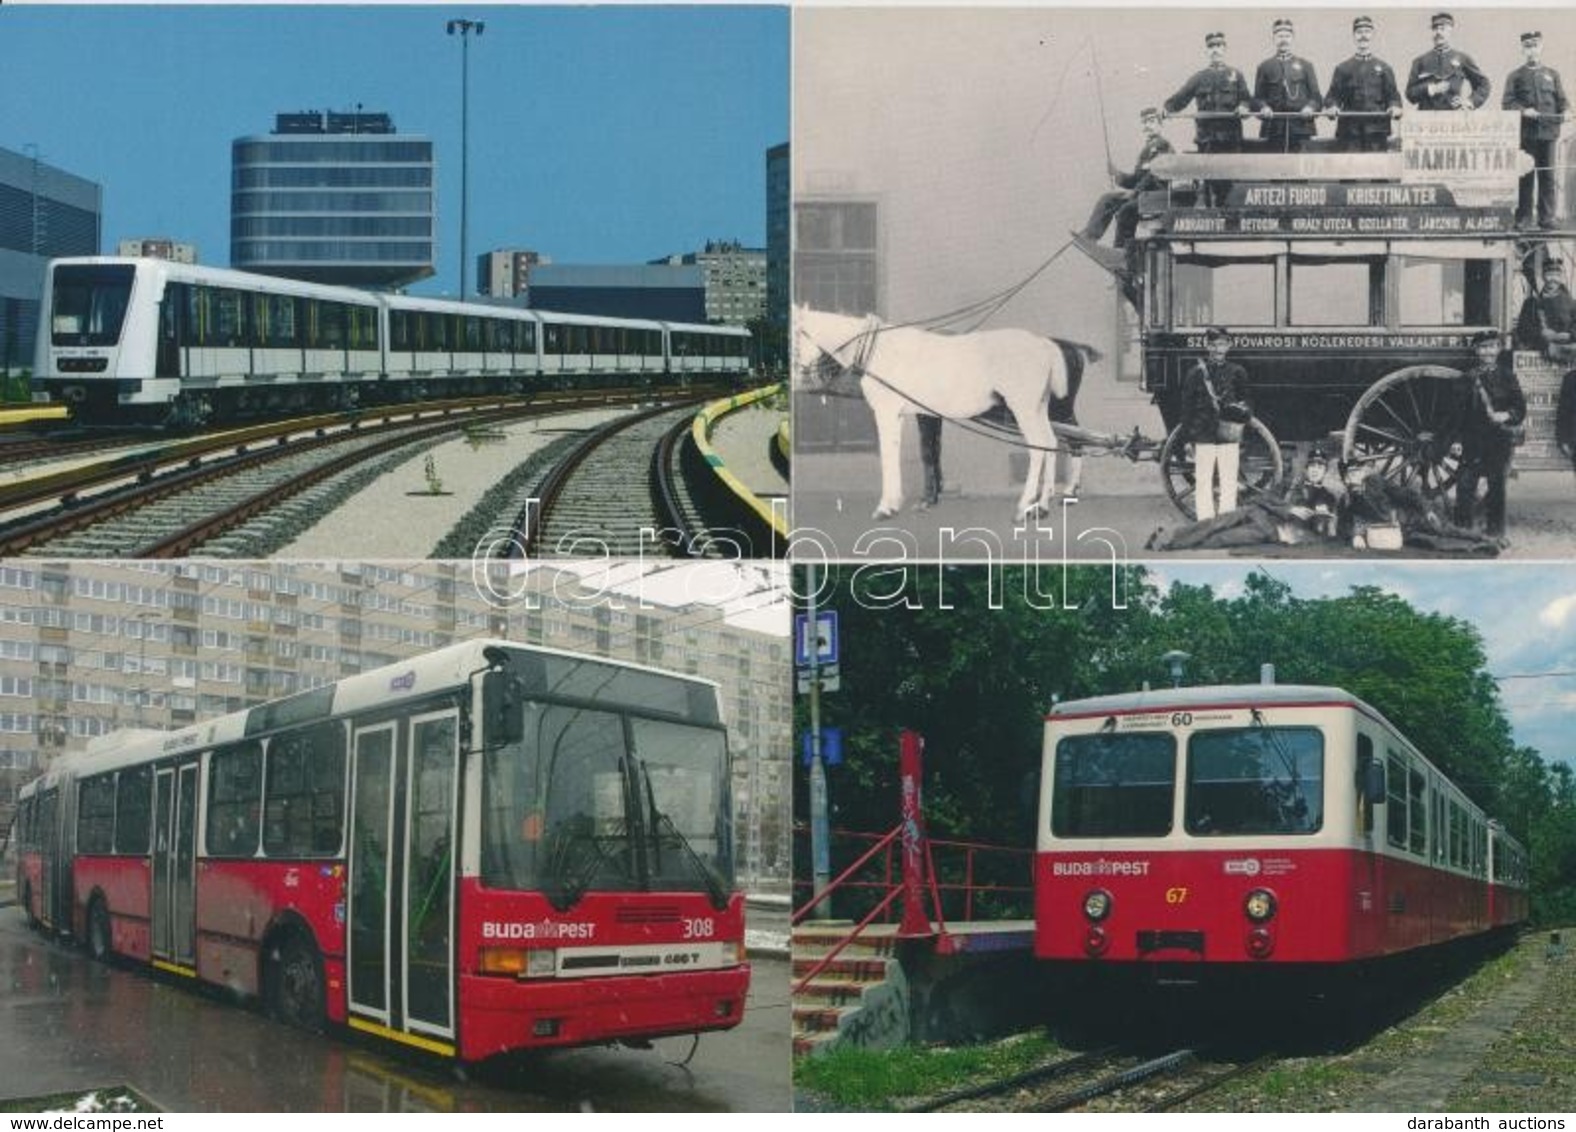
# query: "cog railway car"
1208, 831
141, 340
484, 849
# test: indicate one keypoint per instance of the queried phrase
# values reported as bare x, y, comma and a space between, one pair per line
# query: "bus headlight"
733, 953
1260, 905
538, 963
1097, 905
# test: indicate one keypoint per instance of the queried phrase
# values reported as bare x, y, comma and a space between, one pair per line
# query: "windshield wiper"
572, 885
660, 820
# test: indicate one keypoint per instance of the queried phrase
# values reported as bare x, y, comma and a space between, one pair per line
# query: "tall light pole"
464, 28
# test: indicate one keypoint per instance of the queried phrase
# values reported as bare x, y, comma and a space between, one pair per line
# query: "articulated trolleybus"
127, 340
1215, 831
487, 848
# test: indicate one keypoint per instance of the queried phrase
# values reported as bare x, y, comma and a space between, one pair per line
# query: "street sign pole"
820, 832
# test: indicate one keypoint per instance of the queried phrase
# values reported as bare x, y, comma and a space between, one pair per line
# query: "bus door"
51, 862
174, 863
401, 907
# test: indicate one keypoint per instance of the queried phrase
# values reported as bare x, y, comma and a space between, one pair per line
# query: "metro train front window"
1109, 785
1255, 780
89, 303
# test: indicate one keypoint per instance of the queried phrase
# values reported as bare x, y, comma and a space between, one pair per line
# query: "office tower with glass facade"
45, 212
333, 198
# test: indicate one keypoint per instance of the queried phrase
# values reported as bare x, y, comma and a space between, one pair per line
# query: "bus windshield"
594, 801
1110, 785
89, 303
1255, 780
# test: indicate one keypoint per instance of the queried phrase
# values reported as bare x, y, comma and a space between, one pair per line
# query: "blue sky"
1525, 613
597, 134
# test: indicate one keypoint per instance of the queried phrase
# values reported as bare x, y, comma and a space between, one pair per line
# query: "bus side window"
235, 788
133, 810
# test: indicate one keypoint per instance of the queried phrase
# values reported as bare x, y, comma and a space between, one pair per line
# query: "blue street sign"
823, 642
831, 746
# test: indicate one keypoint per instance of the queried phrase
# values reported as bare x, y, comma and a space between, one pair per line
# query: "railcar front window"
89, 304
1255, 780
1230, 293
1109, 785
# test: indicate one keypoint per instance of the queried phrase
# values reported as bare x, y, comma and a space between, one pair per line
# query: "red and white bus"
487, 848
1254, 827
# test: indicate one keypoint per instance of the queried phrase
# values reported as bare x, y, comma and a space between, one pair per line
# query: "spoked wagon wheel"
1259, 472
1405, 426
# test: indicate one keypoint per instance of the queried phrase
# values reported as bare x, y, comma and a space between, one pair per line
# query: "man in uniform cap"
1547, 322
1492, 408
1215, 412
1363, 87
1286, 84
1536, 91
1121, 204
1444, 78
1221, 96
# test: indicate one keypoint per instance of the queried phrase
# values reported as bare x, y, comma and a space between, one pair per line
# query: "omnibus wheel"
295, 984
1405, 426
100, 940
1258, 472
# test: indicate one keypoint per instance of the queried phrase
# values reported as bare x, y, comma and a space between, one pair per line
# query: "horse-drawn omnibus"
1353, 283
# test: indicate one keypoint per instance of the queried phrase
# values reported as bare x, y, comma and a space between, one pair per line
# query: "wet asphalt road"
67, 1023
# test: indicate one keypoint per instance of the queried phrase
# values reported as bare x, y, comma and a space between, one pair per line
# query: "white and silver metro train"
152, 341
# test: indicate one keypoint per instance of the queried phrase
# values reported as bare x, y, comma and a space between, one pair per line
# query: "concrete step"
850, 969
828, 990
817, 1019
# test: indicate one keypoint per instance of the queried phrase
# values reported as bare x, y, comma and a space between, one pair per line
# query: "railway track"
1105, 1080
621, 480
170, 500
23, 452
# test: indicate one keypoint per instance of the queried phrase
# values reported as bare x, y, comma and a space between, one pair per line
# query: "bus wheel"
1259, 470
295, 984
1405, 426
99, 939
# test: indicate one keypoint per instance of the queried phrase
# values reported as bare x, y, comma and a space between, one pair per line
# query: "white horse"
905, 371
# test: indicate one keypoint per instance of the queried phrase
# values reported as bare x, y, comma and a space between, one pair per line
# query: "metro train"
1194, 833
126, 340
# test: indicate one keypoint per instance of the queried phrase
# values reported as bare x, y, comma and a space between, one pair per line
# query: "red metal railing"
919, 880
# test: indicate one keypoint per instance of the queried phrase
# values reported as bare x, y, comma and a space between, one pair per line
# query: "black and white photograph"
1182, 280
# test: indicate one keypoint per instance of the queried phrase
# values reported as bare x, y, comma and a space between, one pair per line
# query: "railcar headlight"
1260, 905
1097, 905
541, 963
